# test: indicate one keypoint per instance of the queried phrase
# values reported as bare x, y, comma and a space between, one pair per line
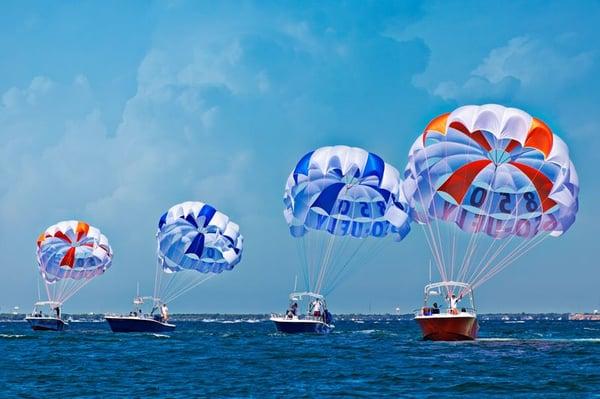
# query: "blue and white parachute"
196, 241
336, 200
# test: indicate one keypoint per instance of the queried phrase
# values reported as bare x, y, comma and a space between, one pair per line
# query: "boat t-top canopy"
296, 296
48, 303
447, 284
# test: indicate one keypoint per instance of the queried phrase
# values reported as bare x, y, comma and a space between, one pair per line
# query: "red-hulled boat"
449, 322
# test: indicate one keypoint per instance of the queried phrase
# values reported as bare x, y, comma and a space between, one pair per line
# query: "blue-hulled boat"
42, 322
138, 321
318, 320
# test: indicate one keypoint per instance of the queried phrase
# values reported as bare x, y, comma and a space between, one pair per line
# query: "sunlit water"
246, 358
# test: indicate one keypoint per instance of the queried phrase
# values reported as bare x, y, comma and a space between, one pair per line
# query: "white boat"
320, 322
138, 321
46, 322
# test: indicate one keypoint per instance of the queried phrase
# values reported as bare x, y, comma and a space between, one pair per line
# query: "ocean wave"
161, 335
364, 331
13, 336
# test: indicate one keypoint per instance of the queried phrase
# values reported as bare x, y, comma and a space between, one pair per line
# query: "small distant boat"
448, 323
317, 321
45, 322
138, 321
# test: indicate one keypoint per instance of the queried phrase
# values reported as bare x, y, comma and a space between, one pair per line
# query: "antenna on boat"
138, 289
38, 288
295, 282
429, 271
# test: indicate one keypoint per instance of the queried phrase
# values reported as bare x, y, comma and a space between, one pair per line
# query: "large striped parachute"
69, 255
196, 239
336, 200
494, 171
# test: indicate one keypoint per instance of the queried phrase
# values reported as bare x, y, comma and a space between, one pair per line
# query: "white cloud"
523, 64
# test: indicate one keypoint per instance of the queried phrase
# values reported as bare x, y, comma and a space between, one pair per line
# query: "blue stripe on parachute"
302, 166
191, 220
208, 212
197, 245
328, 197
374, 166
384, 193
162, 221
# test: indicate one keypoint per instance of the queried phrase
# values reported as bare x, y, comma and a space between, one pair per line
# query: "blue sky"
111, 112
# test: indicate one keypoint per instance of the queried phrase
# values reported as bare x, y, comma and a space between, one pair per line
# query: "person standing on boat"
317, 308
453, 302
57, 310
164, 312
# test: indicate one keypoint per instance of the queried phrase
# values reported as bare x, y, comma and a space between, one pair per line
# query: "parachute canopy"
336, 200
492, 170
495, 170
345, 191
195, 236
70, 254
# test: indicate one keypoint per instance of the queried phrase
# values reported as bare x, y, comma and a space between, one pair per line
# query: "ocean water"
246, 358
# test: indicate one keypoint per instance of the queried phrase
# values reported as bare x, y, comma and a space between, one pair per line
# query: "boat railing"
430, 311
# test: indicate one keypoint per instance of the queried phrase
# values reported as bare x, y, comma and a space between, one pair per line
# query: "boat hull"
448, 328
295, 326
47, 324
137, 324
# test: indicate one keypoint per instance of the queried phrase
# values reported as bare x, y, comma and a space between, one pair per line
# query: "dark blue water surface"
246, 358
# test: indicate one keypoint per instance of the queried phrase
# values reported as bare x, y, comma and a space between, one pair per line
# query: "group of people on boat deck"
453, 301
315, 309
39, 313
164, 313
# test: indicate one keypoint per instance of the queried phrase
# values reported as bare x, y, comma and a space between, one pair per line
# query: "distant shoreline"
207, 317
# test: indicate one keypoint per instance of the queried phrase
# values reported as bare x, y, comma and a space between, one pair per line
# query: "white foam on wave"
365, 331
12, 335
161, 336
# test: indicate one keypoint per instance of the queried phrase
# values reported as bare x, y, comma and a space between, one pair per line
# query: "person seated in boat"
292, 311
435, 309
